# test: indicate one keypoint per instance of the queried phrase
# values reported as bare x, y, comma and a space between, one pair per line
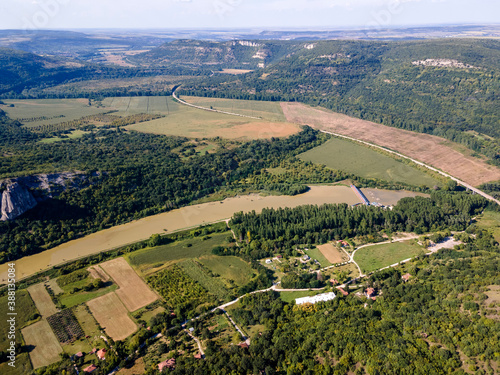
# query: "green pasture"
365, 162
372, 258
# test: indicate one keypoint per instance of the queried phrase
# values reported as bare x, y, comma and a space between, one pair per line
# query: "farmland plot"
46, 347
133, 292
42, 299
112, 315
333, 254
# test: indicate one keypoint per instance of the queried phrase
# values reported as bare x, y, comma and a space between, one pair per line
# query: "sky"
166, 14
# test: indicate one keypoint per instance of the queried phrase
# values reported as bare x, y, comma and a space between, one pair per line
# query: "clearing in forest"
42, 299
341, 154
372, 258
43, 342
112, 315
333, 254
133, 291
423, 147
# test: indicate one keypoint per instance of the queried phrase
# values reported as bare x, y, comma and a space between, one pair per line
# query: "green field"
148, 258
201, 275
26, 310
364, 162
26, 314
178, 119
73, 135
490, 221
291, 296
35, 112
70, 300
266, 110
372, 258
316, 254
229, 268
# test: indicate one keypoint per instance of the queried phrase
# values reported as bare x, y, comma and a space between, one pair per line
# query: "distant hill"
446, 87
244, 54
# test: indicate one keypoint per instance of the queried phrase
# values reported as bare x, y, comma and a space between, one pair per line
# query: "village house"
101, 354
90, 369
344, 293
370, 293
406, 277
169, 363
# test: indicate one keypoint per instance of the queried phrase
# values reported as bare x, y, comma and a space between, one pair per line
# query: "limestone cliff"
23, 193
16, 200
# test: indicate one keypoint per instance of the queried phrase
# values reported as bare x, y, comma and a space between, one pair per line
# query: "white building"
317, 298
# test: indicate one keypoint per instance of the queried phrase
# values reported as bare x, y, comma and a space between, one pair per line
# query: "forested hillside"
448, 88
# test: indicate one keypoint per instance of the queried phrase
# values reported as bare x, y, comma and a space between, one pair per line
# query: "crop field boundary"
460, 182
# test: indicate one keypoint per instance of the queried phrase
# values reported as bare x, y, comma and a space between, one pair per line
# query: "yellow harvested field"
46, 346
133, 291
42, 299
112, 315
333, 254
98, 273
429, 149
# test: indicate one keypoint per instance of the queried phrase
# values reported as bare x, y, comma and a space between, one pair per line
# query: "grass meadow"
365, 162
372, 258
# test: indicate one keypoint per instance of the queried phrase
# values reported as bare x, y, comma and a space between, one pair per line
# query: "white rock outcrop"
16, 200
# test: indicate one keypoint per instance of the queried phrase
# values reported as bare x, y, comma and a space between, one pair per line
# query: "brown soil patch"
42, 299
262, 130
112, 315
426, 148
46, 347
137, 369
133, 291
333, 254
98, 273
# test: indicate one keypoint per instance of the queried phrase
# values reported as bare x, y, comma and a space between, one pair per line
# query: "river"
183, 218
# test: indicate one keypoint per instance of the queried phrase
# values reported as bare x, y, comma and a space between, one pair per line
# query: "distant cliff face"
23, 193
16, 200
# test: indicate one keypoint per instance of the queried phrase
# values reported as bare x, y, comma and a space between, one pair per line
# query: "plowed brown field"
429, 149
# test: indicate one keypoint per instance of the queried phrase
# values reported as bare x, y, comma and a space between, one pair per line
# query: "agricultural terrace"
133, 291
44, 343
42, 300
451, 158
332, 253
372, 258
365, 162
112, 315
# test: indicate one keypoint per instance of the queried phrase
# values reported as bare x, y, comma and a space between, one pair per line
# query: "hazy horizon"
243, 14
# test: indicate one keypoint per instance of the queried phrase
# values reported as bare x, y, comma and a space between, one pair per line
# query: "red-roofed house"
90, 369
333, 282
169, 363
344, 293
198, 356
243, 345
406, 277
79, 355
370, 293
101, 354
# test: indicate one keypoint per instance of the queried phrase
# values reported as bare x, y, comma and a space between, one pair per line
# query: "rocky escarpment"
16, 200
24, 193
